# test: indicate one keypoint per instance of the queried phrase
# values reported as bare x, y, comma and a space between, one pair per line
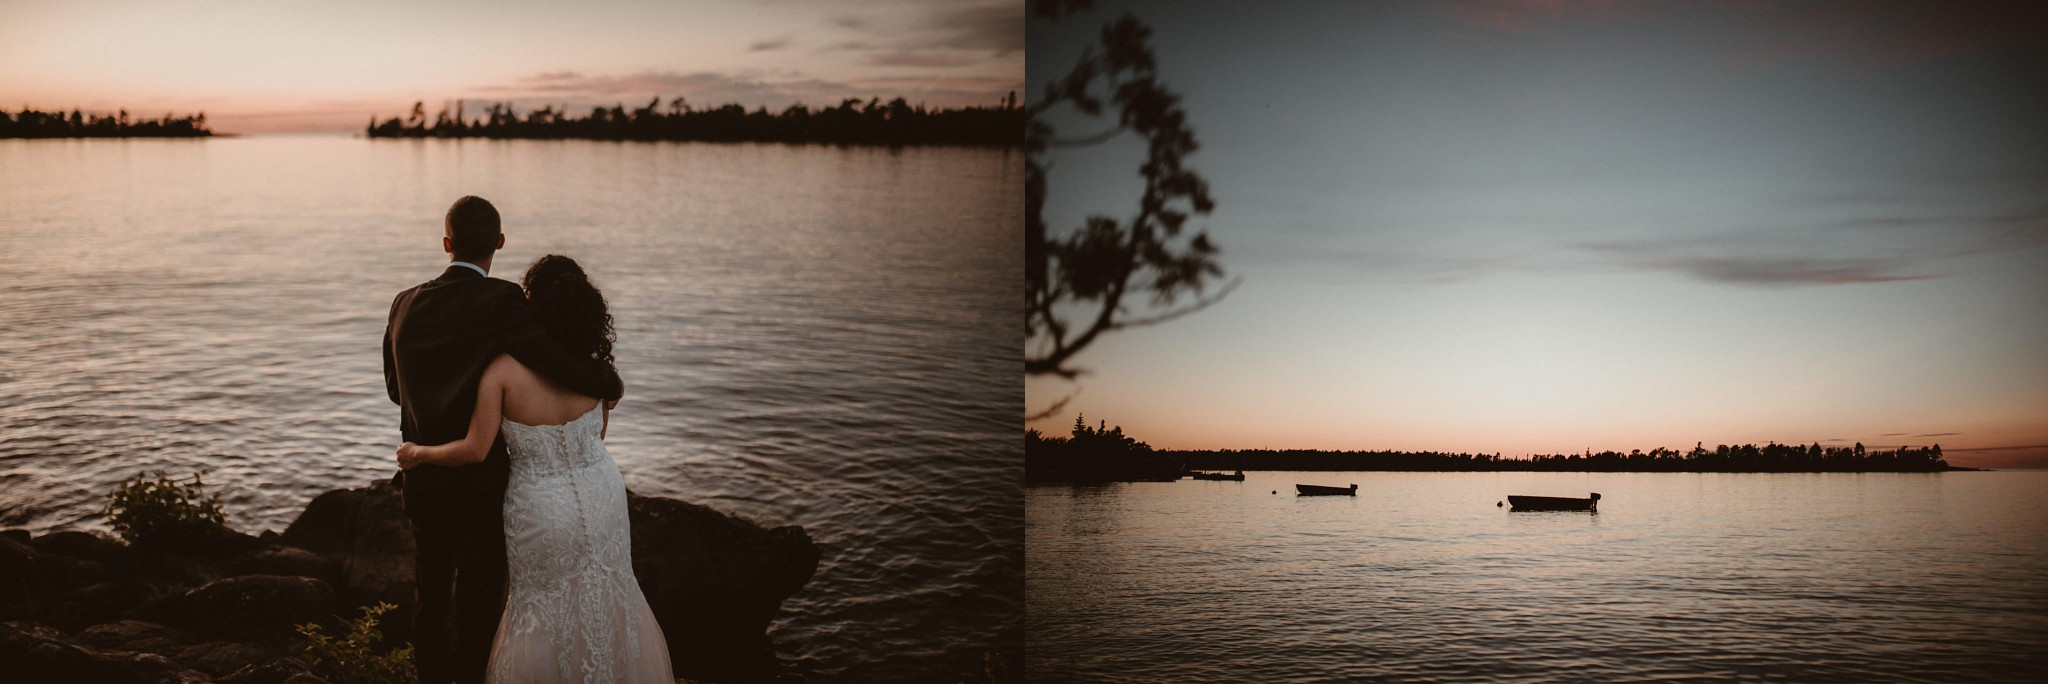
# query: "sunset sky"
1551, 226
258, 67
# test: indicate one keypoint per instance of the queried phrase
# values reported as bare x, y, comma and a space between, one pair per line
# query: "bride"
574, 610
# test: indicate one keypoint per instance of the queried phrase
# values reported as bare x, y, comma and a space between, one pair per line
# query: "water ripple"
1680, 577
809, 335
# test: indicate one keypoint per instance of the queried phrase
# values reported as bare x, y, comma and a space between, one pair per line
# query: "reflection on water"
810, 335
1801, 577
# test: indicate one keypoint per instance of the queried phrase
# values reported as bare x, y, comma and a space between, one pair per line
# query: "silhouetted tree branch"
1082, 283
1087, 140
1198, 305
1054, 409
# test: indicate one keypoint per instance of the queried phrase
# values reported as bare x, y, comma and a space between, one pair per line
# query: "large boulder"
84, 546
256, 606
25, 573
285, 670
366, 532
715, 582
90, 559
379, 562
211, 540
221, 658
95, 603
203, 539
215, 658
135, 635
328, 524
64, 561
42, 582
30, 652
287, 560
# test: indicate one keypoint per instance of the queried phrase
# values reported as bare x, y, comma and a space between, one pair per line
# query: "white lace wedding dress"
574, 611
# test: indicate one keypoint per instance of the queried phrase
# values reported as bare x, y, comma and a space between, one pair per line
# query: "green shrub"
145, 511
353, 659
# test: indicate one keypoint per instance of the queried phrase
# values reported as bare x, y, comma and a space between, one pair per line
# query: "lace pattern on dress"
569, 549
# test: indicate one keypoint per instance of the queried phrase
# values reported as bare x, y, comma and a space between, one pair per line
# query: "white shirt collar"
479, 269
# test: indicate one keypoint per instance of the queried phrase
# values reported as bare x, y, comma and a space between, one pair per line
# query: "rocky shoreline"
75, 606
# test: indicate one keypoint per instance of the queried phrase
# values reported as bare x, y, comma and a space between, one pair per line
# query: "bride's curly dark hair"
569, 307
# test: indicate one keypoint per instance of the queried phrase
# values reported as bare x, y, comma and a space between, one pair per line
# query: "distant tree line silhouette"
1097, 454
1106, 454
1747, 458
896, 122
29, 123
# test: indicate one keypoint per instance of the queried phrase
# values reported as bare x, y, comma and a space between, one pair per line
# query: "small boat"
1319, 490
1234, 477
1553, 503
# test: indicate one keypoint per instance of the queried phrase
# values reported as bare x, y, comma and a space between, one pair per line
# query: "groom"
439, 338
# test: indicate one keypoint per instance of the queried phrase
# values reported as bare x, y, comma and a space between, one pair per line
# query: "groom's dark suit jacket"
440, 337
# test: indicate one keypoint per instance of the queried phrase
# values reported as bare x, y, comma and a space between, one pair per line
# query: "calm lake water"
1795, 577
809, 335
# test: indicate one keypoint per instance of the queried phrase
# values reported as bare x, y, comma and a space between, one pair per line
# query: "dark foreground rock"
79, 607
367, 535
251, 606
32, 652
715, 582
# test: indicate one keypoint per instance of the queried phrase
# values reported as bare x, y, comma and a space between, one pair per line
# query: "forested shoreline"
30, 123
1105, 454
1746, 458
854, 122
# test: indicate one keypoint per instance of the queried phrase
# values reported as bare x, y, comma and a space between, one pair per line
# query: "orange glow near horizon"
1164, 428
1561, 364
1365, 424
265, 67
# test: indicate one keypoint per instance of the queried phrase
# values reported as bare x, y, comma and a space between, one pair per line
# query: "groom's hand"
408, 455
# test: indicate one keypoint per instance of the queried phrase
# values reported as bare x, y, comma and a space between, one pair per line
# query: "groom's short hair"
473, 228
